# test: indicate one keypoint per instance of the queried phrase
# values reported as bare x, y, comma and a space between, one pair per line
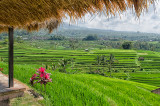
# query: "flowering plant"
41, 77
1, 69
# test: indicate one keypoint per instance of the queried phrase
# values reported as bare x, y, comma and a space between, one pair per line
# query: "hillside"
127, 66
76, 31
84, 89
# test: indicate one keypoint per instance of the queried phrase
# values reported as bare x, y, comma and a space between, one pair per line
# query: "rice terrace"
112, 58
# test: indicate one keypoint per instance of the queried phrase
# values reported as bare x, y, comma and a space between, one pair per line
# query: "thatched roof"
49, 24
33, 14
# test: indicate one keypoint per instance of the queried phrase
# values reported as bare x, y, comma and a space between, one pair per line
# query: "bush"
116, 71
141, 69
62, 71
57, 37
90, 38
127, 45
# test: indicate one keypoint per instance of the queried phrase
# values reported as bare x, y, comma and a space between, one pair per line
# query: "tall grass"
84, 89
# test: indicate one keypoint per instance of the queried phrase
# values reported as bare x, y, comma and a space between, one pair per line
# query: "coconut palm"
110, 62
98, 61
53, 66
63, 63
103, 61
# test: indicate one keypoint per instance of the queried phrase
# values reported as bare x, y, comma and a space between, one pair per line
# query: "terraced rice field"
82, 60
128, 67
84, 89
151, 60
151, 68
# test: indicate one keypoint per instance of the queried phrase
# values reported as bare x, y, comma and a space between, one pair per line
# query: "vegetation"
67, 88
57, 37
72, 63
110, 63
90, 38
127, 45
128, 67
84, 89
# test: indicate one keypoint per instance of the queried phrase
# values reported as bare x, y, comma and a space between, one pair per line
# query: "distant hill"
81, 32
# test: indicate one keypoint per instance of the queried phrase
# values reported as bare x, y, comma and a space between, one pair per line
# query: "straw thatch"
33, 14
49, 24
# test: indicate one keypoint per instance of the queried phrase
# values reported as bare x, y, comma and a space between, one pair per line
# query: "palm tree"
98, 61
103, 61
72, 62
54, 66
110, 63
63, 63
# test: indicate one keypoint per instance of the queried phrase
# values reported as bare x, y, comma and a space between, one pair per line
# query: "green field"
128, 67
84, 89
131, 83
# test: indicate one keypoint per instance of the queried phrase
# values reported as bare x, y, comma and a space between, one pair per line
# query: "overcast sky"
148, 22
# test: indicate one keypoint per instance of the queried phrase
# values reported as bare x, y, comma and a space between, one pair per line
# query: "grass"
127, 66
126, 58
26, 100
85, 89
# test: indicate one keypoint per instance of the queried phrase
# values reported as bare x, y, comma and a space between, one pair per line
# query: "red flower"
42, 70
47, 76
42, 75
33, 77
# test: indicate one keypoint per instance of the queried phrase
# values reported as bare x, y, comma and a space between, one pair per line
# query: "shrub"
127, 45
41, 77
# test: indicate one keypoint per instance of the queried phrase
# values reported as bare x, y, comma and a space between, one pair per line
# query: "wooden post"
11, 82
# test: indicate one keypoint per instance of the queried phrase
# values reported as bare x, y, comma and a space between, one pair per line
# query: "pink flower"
42, 75
47, 76
42, 70
50, 80
33, 77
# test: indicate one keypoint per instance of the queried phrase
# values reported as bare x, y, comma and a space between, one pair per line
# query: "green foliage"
90, 37
127, 60
57, 37
110, 62
127, 45
5, 41
83, 89
19, 39
63, 63
73, 43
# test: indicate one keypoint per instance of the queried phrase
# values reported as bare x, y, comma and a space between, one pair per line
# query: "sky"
148, 22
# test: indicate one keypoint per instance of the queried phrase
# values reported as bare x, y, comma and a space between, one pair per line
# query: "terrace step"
7, 93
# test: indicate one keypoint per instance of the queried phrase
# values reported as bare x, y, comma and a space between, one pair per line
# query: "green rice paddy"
130, 85
128, 67
89, 90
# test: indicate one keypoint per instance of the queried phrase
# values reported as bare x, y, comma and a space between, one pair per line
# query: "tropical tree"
63, 63
72, 62
103, 61
110, 62
19, 39
5, 41
73, 43
57, 37
90, 37
98, 60
127, 45
54, 67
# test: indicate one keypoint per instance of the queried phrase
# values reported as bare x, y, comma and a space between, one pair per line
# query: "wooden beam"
11, 82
